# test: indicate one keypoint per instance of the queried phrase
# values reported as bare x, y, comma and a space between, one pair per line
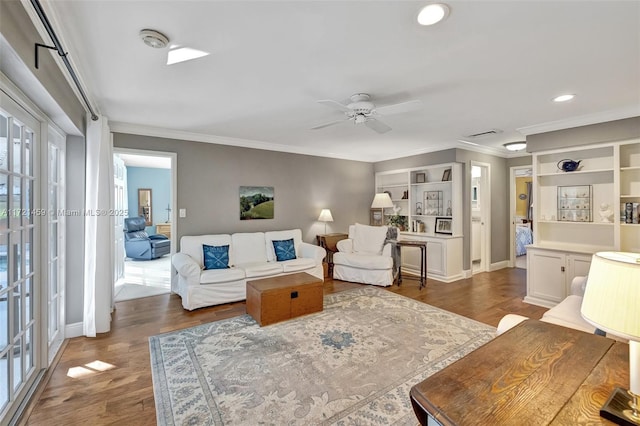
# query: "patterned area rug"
354, 363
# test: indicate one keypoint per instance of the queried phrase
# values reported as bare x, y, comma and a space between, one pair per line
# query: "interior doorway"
480, 217
521, 208
153, 174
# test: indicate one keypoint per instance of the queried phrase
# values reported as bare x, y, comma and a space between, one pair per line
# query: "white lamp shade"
325, 216
382, 201
612, 294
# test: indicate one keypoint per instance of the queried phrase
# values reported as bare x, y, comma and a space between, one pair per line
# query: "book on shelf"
630, 213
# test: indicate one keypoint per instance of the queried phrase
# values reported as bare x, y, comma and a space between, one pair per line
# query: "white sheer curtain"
98, 271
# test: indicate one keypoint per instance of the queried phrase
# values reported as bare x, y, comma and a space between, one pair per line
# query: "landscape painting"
256, 202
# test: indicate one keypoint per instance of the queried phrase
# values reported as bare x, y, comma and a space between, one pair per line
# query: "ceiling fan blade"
399, 108
377, 125
331, 123
334, 104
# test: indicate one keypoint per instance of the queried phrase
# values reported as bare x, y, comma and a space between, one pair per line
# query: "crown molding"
583, 120
137, 129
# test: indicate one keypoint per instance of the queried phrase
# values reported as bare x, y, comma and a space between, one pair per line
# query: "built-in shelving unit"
563, 248
427, 197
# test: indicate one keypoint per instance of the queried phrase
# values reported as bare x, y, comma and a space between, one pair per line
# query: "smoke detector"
153, 38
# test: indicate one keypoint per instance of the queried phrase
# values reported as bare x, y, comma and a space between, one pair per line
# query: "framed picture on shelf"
421, 178
446, 176
444, 225
376, 217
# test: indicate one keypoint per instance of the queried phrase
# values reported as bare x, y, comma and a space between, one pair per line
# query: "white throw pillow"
369, 239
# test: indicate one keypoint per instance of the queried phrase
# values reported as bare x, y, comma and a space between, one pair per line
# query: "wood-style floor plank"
123, 394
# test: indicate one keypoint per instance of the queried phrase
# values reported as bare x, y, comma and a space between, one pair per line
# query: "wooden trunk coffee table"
275, 299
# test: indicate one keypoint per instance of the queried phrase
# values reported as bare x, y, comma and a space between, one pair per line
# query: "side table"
423, 259
328, 242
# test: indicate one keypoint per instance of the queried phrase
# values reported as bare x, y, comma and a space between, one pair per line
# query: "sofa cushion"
284, 249
299, 264
363, 261
249, 247
215, 257
369, 239
261, 269
192, 246
215, 276
296, 234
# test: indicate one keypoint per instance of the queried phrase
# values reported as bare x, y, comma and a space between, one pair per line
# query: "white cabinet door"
411, 259
436, 255
577, 266
545, 277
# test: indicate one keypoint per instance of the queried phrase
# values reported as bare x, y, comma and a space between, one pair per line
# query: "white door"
20, 225
56, 171
120, 206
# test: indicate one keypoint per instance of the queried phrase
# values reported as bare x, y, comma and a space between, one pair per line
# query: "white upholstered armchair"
364, 257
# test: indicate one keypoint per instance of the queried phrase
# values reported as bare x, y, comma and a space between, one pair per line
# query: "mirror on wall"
144, 205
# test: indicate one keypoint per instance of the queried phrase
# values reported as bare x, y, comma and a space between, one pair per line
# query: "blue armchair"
138, 245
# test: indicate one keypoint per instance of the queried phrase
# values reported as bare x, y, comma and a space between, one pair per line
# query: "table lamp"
325, 216
382, 201
612, 303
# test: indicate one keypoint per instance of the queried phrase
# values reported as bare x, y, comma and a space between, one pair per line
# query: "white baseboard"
499, 265
73, 330
467, 273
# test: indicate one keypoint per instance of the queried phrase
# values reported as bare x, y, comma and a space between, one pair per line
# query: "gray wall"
610, 131
209, 177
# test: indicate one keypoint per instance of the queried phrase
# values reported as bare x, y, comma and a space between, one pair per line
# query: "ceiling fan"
362, 111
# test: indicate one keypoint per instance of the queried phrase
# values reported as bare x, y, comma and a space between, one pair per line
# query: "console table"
534, 374
423, 259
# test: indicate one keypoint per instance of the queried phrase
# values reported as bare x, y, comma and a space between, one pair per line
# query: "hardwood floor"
107, 379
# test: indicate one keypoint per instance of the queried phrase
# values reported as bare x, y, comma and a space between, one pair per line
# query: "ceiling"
490, 65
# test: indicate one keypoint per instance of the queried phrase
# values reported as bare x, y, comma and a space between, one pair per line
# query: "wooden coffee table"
270, 300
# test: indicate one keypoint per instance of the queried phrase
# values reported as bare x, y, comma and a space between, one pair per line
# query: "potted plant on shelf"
398, 221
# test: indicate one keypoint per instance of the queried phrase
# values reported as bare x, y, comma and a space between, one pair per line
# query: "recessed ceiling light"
563, 98
153, 38
433, 13
515, 146
182, 54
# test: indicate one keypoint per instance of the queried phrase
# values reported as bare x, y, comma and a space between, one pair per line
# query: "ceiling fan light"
515, 146
433, 13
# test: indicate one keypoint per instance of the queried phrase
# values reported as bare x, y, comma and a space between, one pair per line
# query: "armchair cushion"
284, 249
369, 239
215, 257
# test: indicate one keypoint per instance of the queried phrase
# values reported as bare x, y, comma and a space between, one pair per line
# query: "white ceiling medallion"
433, 13
153, 38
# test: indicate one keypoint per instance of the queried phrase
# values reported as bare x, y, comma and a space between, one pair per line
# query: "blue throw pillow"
215, 257
284, 249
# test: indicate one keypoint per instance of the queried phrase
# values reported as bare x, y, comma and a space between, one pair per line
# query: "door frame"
173, 156
485, 217
512, 211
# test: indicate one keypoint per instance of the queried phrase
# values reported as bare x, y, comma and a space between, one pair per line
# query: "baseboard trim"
73, 330
499, 265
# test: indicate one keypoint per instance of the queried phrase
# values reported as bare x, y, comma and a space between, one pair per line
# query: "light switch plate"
183, 212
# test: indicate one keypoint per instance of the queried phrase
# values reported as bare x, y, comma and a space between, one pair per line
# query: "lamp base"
617, 408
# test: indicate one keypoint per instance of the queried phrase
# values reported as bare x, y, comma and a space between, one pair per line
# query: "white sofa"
251, 256
364, 257
565, 313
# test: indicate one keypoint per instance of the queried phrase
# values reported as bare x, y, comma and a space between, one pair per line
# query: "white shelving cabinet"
444, 251
562, 248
